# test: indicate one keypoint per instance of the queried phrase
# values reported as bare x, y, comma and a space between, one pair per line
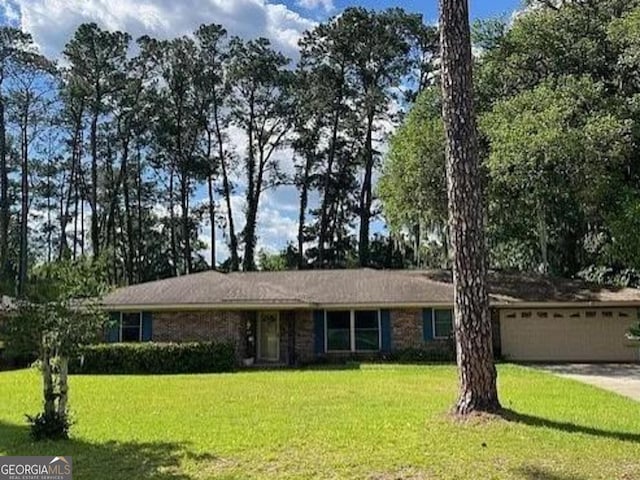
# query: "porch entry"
268, 336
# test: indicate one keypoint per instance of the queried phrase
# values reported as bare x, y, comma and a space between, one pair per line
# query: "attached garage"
568, 334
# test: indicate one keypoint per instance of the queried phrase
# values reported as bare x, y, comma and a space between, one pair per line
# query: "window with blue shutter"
427, 324
147, 326
385, 330
318, 332
442, 323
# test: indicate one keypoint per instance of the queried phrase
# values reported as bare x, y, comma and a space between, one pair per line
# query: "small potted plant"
248, 361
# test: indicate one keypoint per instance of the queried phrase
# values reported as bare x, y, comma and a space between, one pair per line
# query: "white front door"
269, 336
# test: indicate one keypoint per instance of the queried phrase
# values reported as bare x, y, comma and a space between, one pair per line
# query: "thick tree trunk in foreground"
477, 371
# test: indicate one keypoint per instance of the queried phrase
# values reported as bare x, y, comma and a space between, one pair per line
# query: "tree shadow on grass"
109, 460
539, 473
568, 427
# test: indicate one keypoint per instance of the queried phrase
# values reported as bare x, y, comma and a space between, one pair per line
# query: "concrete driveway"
622, 378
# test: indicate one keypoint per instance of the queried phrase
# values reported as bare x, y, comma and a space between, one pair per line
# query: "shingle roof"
309, 288
203, 288
515, 288
353, 287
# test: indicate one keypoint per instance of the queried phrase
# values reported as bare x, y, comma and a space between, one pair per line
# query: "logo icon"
36, 468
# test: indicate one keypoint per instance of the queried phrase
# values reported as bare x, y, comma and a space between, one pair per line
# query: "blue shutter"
385, 327
318, 331
113, 328
427, 324
147, 326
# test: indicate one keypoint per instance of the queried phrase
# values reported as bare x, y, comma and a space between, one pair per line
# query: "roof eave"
358, 305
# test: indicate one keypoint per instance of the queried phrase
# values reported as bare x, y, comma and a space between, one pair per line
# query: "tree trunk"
304, 201
4, 195
226, 187
212, 221
327, 196
212, 205
63, 386
73, 184
184, 205
477, 371
249, 233
24, 207
233, 238
95, 233
139, 240
49, 207
543, 239
366, 196
124, 169
172, 226
47, 384
75, 221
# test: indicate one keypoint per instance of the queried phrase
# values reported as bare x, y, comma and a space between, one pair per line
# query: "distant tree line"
558, 99
104, 151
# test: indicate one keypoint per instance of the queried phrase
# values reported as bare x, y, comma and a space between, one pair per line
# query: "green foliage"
558, 96
60, 310
286, 259
352, 68
623, 247
617, 277
441, 353
634, 332
154, 358
49, 426
556, 153
413, 183
58, 313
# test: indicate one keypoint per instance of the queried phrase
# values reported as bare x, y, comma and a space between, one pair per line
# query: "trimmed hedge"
155, 358
423, 355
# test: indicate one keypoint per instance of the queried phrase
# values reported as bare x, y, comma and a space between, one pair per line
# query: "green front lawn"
376, 422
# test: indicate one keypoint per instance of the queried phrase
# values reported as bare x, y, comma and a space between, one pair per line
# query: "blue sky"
52, 23
429, 8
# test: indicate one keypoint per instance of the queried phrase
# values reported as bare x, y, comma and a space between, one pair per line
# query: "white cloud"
10, 12
52, 22
313, 4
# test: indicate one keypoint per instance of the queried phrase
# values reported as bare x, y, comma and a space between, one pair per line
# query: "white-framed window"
442, 319
352, 330
131, 327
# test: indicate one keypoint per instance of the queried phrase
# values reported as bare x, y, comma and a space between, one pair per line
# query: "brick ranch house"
295, 317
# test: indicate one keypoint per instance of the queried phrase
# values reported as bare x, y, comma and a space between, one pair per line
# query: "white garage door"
578, 335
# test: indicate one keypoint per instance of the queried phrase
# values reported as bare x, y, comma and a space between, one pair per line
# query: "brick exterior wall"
202, 326
304, 336
229, 326
285, 324
296, 331
407, 331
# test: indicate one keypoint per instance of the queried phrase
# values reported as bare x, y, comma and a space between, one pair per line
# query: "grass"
375, 422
